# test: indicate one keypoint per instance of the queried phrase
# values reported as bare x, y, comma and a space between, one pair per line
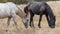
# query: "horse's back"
6, 9
8, 5
37, 7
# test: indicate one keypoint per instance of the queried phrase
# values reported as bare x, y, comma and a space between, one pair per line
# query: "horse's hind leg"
40, 21
31, 20
8, 22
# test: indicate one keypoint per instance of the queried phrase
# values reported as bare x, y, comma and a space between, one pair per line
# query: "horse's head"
23, 16
52, 22
25, 21
52, 17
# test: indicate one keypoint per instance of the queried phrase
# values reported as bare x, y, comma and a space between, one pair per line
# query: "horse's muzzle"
52, 26
26, 24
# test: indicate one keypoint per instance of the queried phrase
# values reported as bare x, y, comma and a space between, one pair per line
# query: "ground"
45, 29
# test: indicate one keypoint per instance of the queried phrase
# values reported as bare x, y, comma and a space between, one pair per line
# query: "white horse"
10, 10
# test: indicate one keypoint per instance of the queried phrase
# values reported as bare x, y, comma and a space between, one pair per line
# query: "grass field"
45, 28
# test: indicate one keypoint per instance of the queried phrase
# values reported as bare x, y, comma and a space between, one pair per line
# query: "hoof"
52, 26
39, 26
32, 26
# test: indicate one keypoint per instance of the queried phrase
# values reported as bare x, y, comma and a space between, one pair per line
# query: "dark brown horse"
40, 8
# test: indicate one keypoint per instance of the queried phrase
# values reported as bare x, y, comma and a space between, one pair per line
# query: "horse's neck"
21, 13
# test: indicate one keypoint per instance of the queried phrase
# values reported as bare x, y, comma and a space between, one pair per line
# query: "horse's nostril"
27, 20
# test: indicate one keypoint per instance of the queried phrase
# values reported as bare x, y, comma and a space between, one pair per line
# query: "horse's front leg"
14, 19
47, 17
8, 22
31, 20
49, 22
40, 21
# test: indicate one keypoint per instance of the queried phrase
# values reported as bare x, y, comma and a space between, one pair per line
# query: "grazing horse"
10, 10
40, 8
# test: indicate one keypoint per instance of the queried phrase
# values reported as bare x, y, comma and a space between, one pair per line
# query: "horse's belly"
4, 14
36, 11
1, 17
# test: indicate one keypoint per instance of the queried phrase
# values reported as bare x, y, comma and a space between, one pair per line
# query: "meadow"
45, 29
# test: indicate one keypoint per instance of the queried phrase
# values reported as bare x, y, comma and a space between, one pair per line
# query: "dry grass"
45, 28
